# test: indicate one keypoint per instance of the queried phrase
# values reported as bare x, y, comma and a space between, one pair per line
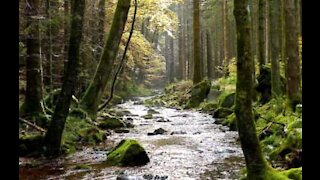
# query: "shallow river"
192, 148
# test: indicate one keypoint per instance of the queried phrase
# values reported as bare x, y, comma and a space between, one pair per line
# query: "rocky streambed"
181, 144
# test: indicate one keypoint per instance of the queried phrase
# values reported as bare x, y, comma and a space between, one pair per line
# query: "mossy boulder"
31, 145
231, 122
208, 106
228, 100
92, 135
198, 92
127, 153
111, 123
222, 112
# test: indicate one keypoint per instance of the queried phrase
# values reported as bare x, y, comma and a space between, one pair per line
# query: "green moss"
127, 153
294, 173
199, 92
111, 123
92, 135
72, 134
222, 112
79, 113
31, 145
208, 106
231, 122
226, 100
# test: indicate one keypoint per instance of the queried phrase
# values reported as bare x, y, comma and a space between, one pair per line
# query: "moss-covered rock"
92, 135
198, 92
231, 122
31, 145
213, 95
127, 153
208, 106
228, 100
222, 112
111, 123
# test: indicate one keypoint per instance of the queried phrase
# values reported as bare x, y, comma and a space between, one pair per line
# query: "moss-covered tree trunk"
243, 106
262, 33
209, 56
197, 76
33, 96
101, 24
95, 91
225, 39
181, 45
55, 130
292, 54
275, 33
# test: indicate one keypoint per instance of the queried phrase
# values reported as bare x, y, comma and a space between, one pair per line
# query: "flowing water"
192, 148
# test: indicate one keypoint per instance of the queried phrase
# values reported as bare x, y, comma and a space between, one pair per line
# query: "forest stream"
193, 147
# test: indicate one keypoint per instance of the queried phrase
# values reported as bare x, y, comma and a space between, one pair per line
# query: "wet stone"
157, 131
121, 131
178, 132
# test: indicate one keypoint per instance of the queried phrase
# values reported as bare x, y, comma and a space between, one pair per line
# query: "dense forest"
160, 89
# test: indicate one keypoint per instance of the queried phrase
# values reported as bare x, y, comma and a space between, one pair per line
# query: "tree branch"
32, 125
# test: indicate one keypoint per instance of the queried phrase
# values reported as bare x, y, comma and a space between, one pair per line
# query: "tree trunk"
197, 76
262, 34
180, 43
100, 34
66, 34
275, 46
171, 64
54, 133
33, 96
292, 54
255, 162
94, 92
225, 39
209, 56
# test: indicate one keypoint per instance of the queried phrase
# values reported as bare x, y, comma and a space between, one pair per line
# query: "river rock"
228, 100
157, 131
152, 111
178, 132
162, 119
128, 153
111, 123
199, 92
222, 112
148, 116
121, 131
